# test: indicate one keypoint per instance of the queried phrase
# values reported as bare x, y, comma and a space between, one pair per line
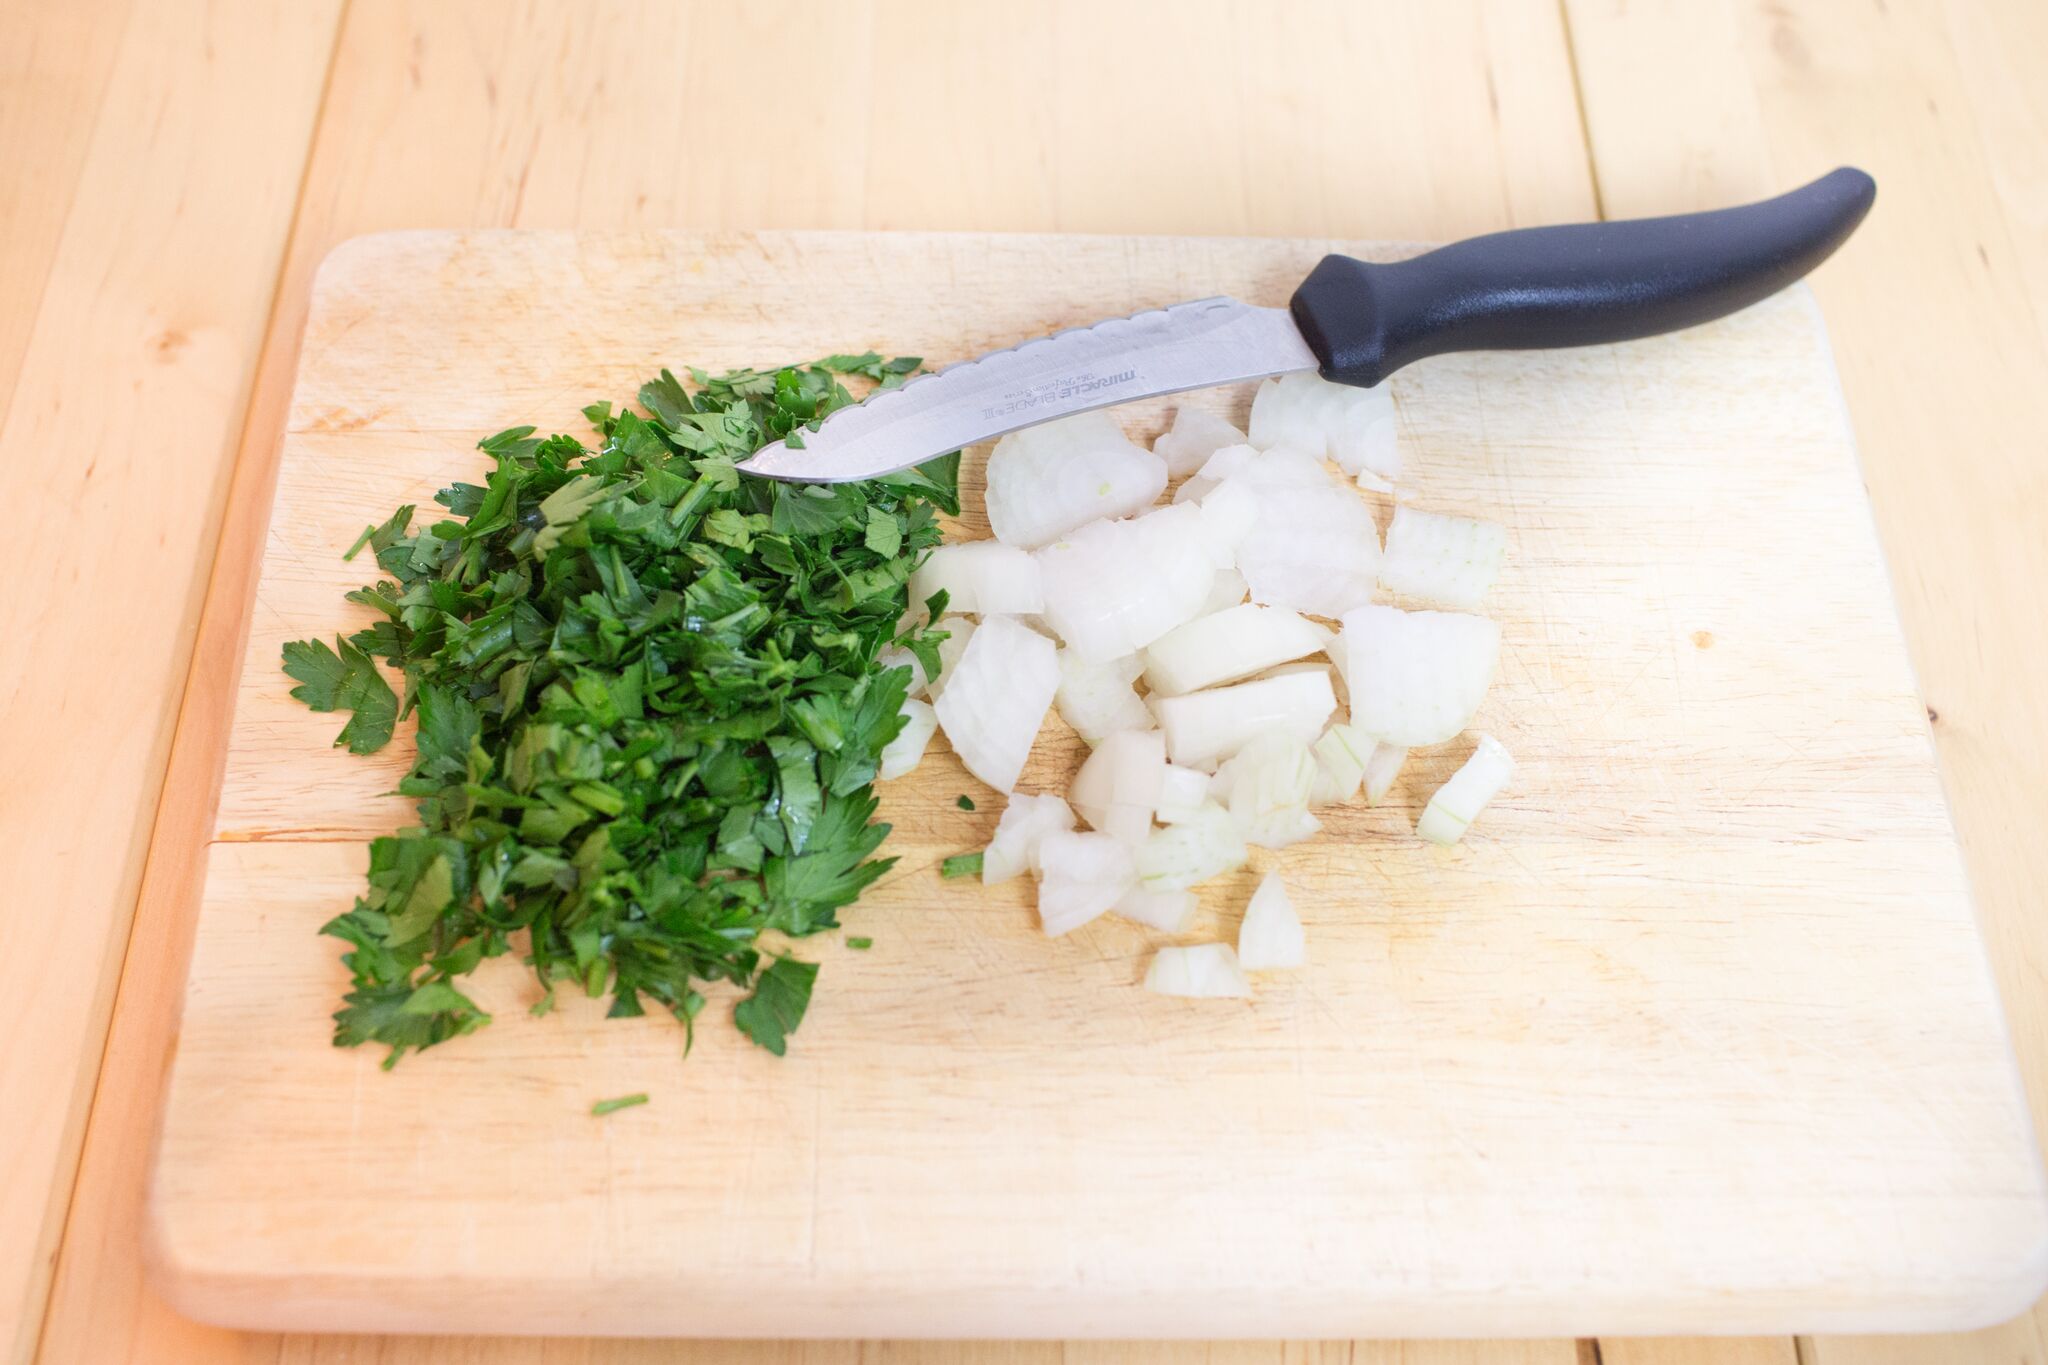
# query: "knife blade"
1165, 350
1356, 322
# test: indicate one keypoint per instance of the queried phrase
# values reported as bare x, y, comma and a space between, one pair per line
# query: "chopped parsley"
649, 709
603, 1107
961, 865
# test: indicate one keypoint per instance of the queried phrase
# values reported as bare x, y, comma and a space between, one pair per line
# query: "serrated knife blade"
1165, 350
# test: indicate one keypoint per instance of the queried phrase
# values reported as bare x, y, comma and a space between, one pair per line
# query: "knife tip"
771, 462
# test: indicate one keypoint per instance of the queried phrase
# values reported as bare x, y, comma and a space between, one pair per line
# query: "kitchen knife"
1356, 322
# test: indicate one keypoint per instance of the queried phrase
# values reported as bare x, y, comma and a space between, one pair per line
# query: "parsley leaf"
884, 533
778, 1003
961, 865
344, 679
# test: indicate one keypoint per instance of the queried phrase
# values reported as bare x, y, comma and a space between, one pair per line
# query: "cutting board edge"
232, 1296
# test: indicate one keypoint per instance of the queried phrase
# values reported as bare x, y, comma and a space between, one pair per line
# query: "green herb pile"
650, 709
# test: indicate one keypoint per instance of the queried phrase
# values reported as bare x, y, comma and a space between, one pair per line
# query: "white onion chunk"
1457, 803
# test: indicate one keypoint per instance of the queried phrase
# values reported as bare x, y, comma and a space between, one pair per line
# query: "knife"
1356, 322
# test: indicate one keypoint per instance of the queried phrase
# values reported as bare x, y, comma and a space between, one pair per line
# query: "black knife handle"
1577, 285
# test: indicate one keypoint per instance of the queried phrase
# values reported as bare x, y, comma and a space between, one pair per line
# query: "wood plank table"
174, 169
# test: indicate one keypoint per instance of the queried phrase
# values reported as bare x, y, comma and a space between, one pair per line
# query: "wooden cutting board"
1693, 1034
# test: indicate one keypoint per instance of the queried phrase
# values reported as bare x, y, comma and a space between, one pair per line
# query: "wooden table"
174, 170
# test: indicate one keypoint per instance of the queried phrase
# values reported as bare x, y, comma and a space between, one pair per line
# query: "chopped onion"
1080, 876
1220, 466
1025, 823
1047, 480
959, 630
1227, 591
1097, 699
1319, 668
1179, 856
1229, 512
1227, 646
1381, 770
1457, 803
1167, 910
1270, 937
1353, 426
1118, 787
1182, 792
996, 697
1113, 587
1269, 781
1217, 723
1314, 546
1200, 970
1341, 757
902, 753
1416, 677
1444, 561
981, 577
1228, 461
1196, 434
895, 656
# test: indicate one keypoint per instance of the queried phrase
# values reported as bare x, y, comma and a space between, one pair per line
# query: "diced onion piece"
1180, 856
1353, 426
1220, 466
981, 577
1079, 877
1270, 939
1229, 512
895, 656
1182, 793
1118, 787
996, 697
1097, 699
1166, 910
1227, 646
902, 753
1444, 561
1457, 803
1047, 480
1196, 434
1199, 971
1269, 781
1227, 591
1381, 770
959, 630
1314, 546
1215, 724
1025, 823
1228, 461
1320, 668
1113, 587
1341, 757
1417, 677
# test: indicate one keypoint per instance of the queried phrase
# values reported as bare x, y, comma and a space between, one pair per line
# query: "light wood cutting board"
1693, 1034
